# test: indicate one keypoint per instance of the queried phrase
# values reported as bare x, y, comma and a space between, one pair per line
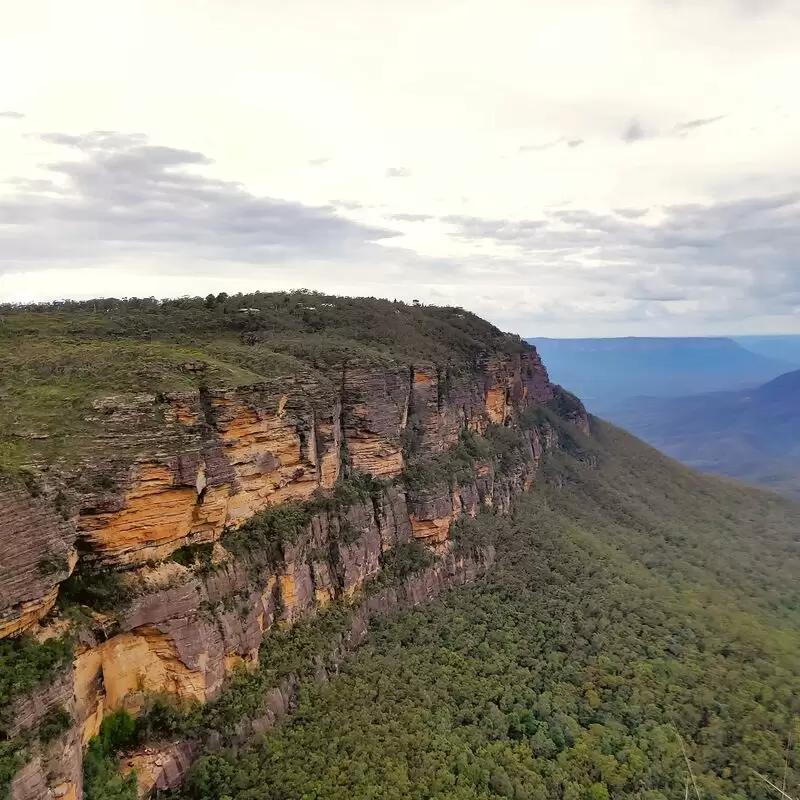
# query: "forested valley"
637, 609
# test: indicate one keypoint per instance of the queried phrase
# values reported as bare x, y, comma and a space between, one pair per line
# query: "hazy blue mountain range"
752, 434
605, 372
784, 348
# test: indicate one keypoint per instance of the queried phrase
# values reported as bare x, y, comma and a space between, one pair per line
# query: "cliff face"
178, 469
182, 469
163, 767
36, 553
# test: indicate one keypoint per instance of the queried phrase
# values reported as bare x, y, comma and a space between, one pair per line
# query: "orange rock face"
189, 465
156, 515
260, 457
28, 613
115, 672
273, 461
259, 446
182, 469
433, 531
374, 415
496, 405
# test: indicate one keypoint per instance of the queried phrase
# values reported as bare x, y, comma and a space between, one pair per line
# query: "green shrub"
348, 534
268, 531
194, 555
52, 564
209, 778
508, 448
404, 560
101, 591
12, 758
53, 724
456, 465
26, 663
101, 776
165, 716
357, 487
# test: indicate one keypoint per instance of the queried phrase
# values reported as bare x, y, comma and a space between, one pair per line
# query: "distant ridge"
606, 371
785, 347
752, 434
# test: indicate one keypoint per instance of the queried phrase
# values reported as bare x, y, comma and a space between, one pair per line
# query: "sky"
571, 168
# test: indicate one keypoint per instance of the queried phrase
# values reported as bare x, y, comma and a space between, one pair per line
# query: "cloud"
633, 132
707, 261
123, 195
686, 127
11, 115
398, 172
412, 217
348, 205
631, 213
500, 230
319, 162
535, 148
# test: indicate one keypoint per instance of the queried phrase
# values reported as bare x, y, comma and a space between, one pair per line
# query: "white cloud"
499, 112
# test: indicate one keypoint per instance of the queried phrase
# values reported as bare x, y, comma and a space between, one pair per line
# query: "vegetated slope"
752, 434
633, 600
604, 371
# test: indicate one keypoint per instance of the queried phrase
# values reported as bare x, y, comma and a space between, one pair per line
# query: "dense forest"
637, 609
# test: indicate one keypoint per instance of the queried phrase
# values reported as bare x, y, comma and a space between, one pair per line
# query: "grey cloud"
631, 213
411, 217
319, 162
586, 219
693, 124
648, 288
633, 132
349, 205
534, 148
398, 172
124, 195
501, 230
11, 115
736, 257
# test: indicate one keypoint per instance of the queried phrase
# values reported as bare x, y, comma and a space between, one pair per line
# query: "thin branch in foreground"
776, 788
786, 759
689, 767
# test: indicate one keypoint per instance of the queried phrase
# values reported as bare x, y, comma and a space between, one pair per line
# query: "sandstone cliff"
175, 471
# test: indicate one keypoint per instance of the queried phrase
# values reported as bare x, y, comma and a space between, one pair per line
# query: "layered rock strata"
180, 470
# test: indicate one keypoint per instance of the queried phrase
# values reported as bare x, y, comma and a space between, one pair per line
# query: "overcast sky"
563, 168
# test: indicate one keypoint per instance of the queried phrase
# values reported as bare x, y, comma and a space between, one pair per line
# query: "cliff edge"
163, 507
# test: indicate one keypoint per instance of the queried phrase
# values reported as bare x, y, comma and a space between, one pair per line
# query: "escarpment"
38, 552
194, 523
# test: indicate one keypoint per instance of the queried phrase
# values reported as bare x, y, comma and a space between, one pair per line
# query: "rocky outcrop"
187, 469
171, 470
36, 553
163, 767
54, 769
184, 639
